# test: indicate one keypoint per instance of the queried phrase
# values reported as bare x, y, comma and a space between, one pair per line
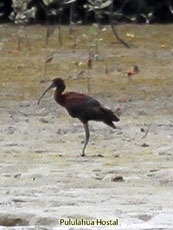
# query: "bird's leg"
87, 135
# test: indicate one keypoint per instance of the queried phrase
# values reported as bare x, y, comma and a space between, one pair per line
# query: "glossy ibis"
81, 106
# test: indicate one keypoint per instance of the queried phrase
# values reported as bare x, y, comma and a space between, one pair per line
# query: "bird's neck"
59, 97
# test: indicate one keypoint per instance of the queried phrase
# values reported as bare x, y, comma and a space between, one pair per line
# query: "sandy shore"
127, 173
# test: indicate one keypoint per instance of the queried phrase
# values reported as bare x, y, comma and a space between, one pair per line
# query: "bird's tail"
110, 115
110, 123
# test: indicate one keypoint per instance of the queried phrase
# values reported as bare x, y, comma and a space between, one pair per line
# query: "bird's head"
56, 83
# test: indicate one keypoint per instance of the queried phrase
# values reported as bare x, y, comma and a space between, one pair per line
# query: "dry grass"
21, 70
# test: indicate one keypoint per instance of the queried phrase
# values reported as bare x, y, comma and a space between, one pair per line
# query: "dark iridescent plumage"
81, 106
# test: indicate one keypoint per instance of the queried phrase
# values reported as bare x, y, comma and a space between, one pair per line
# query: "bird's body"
81, 106
84, 107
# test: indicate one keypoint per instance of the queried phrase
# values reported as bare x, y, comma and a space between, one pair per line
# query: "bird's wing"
81, 106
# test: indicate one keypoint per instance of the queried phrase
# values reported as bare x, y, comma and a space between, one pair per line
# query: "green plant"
99, 7
21, 14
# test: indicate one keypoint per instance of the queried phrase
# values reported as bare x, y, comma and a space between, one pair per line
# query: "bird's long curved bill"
50, 87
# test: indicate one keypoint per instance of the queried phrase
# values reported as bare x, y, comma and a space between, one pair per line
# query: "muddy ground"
127, 173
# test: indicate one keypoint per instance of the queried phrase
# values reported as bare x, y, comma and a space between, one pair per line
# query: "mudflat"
127, 173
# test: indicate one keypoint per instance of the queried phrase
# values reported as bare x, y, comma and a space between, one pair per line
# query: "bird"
81, 106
